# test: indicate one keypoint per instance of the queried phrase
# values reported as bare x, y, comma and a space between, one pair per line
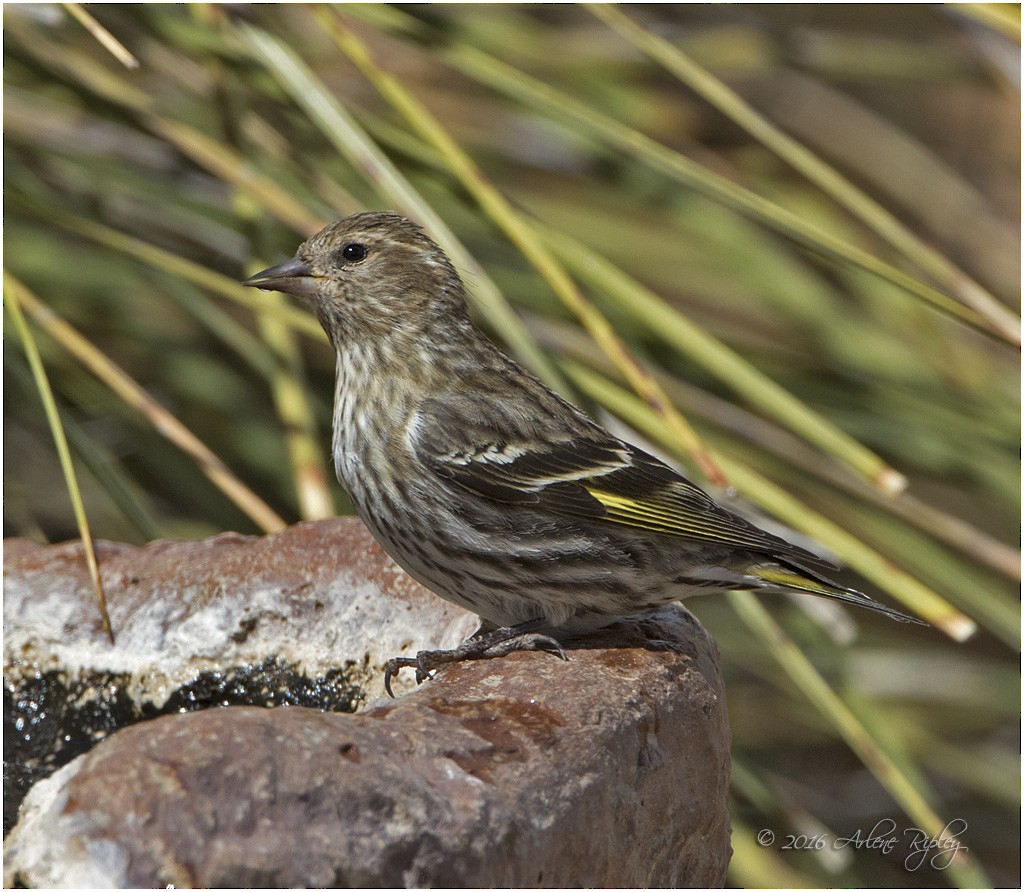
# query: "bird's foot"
481, 646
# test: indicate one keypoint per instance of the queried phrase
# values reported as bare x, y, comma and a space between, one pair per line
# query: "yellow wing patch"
665, 518
787, 579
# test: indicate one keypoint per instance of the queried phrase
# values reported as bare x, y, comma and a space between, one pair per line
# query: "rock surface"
610, 769
307, 616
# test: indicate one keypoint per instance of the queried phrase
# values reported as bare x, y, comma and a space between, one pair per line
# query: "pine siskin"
486, 486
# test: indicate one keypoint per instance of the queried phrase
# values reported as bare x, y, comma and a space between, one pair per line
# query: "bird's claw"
544, 643
396, 665
476, 648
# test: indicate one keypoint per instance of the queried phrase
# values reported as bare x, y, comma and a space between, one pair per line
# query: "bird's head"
371, 275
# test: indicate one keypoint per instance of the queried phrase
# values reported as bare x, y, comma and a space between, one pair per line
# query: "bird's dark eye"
354, 252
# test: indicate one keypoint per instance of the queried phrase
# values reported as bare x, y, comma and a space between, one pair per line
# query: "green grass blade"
201, 276
107, 40
134, 395
221, 160
125, 494
866, 561
952, 531
302, 439
963, 866
810, 165
351, 140
548, 100
522, 236
700, 347
14, 294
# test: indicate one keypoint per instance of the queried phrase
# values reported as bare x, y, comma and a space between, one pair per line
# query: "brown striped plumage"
482, 483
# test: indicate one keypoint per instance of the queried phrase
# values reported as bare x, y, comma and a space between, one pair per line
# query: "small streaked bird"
487, 487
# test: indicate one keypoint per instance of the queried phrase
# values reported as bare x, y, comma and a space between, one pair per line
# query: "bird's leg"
480, 646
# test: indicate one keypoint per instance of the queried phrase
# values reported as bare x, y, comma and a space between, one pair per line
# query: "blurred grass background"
778, 243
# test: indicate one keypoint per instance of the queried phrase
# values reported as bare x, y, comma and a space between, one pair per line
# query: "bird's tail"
794, 577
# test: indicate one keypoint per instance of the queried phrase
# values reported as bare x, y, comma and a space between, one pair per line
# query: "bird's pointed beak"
294, 276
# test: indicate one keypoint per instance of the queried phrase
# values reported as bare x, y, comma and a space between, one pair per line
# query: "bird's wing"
586, 476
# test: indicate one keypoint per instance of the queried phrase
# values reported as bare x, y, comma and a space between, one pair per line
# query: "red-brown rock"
610, 769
